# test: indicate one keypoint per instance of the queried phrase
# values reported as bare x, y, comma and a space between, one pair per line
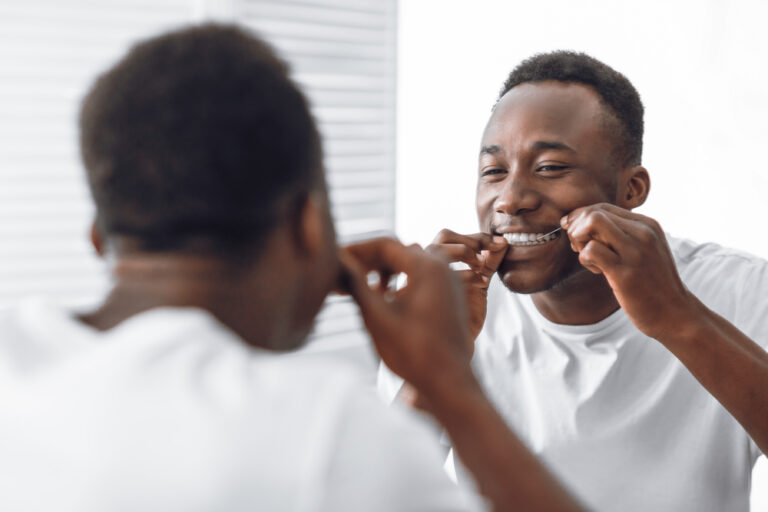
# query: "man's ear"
96, 240
633, 187
311, 227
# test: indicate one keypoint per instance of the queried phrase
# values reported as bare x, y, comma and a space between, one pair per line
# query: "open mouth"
518, 239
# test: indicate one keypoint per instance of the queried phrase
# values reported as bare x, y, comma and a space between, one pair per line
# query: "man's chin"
534, 282
524, 286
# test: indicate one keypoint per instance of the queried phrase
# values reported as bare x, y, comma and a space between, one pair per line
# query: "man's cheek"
484, 216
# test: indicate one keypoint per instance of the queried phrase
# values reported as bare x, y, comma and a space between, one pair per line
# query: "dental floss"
541, 237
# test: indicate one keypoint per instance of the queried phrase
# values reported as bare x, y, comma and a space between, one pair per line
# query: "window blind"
342, 52
50, 52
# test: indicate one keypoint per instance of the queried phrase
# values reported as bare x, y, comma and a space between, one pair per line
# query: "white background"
700, 68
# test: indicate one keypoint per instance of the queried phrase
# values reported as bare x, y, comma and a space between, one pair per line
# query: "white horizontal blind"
342, 52
50, 52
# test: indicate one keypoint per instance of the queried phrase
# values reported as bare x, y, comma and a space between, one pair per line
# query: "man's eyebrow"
490, 150
542, 145
539, 145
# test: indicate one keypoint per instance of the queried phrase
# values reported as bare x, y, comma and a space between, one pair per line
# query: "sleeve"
385, 459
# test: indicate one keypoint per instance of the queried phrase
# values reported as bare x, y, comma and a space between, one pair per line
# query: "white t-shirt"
612, 412
170, 411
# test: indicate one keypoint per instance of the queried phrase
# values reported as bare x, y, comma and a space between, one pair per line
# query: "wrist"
452, 394
687, 325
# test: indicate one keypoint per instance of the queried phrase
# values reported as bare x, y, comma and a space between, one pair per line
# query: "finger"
492, 258
597, 225
490, 242
640, 227
607, 207
598, 258
456, 252
372, 304
385, 255
476, 241
472, 278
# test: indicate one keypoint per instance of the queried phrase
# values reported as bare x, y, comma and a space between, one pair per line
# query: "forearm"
506, 472
732, 367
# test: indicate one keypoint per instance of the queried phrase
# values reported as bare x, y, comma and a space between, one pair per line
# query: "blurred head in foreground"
199, 147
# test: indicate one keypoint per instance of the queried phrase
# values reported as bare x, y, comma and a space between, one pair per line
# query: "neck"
239, 297
582, 298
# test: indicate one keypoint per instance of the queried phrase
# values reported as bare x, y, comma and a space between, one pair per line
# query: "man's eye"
551, 168
491, 172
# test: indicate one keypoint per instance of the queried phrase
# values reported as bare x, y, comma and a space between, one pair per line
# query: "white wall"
700, 68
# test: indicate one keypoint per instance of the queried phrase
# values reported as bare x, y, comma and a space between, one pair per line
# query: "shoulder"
731, 282
36, 332
692, 254
711, 266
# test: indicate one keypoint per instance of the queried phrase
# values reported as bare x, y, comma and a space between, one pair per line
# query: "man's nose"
517, 196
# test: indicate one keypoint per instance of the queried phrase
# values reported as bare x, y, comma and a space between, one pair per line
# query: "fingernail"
564, 222
499, 240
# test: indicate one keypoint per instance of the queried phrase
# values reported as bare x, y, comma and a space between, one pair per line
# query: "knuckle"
655, 226
443, 235
587, 252
647, 234
592, 220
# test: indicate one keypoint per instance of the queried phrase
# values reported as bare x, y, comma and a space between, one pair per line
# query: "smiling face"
547, 149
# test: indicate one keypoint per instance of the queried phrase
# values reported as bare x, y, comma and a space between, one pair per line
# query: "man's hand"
631, 251
420, 330
483, 253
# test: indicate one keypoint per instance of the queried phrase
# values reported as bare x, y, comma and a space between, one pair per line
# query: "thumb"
494, 256
372, 304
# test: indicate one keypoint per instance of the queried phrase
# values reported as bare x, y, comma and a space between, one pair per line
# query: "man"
176, 392
623, 357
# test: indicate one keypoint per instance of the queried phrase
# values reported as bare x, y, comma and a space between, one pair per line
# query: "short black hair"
197, 133
614, 89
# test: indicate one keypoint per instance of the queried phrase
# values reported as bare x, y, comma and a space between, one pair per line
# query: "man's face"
546, 150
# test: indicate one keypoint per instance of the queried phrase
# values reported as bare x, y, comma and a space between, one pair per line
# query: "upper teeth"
529, 238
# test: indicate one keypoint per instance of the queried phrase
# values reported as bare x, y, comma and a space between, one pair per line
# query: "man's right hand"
483, 253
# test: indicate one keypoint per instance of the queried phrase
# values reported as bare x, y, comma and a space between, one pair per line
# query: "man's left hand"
631, 251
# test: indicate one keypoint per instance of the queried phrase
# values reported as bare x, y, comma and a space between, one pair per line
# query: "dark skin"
549, 158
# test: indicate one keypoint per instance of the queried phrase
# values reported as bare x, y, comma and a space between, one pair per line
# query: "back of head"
616, 92
197, 134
